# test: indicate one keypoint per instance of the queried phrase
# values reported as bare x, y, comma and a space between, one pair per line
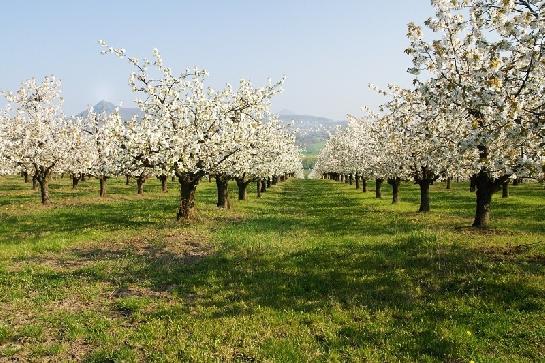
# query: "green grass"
314, 271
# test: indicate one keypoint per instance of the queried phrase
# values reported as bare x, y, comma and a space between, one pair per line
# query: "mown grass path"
314, 271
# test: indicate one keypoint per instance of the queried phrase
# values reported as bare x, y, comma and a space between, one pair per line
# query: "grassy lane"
314, 271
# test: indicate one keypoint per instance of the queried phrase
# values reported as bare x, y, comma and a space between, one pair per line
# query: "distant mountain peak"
104, 103
104, 106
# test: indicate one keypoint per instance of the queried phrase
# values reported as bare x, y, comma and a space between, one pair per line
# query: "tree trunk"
75, 181
188, 186
242, 184
140, 180
44, 189
34, 183
163, 178
82, 177
449, 180
268, 182
25, 175
351, 179
378, 188
222, 184
127, 179
482, 212
263, 185
364, 185
395, 182
486, 186
505, 189
357, 182
424, 195
274, 180
102, 191
259, 188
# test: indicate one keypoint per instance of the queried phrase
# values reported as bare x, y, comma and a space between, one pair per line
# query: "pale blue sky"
329, 50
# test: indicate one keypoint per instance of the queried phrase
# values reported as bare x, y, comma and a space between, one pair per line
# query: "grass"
314, 271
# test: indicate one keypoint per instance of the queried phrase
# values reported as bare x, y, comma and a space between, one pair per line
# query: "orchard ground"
313, 271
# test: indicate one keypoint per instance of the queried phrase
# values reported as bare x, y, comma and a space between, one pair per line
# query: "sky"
328, 50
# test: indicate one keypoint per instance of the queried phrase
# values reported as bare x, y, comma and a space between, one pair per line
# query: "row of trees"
475, 110
186, 131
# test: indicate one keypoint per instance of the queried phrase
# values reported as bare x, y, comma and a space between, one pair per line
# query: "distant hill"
309, 122
313, 132
108, 107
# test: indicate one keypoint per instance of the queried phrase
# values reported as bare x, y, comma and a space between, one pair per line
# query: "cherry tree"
366, 134
198, 128
79, 160
272, 154
420, 140
35, 132
105, 132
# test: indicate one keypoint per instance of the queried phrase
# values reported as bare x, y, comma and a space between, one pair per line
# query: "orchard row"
185, 130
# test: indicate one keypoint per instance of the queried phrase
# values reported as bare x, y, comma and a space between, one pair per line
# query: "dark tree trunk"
188, 186
34, 182
25, 175
127, 179
342, 178
395, 182
140, 180
424, 195
259, 188
449, 181
83, 177
484, 201
102, 191
505, 189
364, 186
346, 179
75, 181
485, 186
351, 179
44, 188
242, 185
163, 178
268, 182
222, 184
263, 185
357, 182
378, 188
274, 180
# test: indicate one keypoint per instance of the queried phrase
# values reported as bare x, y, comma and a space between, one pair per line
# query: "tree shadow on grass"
75, 220
425, 286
